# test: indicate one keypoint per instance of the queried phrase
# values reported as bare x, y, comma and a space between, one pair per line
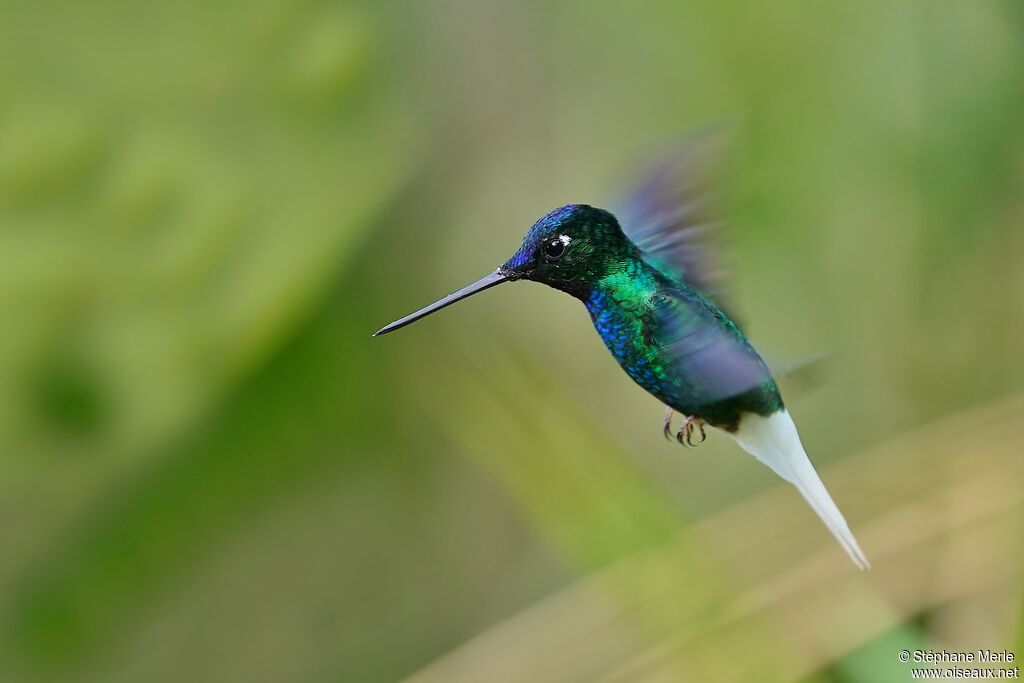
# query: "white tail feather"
774, 441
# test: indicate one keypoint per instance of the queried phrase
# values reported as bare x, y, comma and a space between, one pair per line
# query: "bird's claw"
684, 436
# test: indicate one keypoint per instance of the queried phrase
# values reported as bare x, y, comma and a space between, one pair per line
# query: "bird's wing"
706, 348
673, 214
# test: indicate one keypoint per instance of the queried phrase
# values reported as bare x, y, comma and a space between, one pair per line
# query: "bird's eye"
554, 248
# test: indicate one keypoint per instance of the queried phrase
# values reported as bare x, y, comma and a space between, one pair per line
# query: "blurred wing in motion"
803, 375
673, 213
706, 349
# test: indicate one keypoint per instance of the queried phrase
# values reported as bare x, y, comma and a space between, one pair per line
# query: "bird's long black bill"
486, 282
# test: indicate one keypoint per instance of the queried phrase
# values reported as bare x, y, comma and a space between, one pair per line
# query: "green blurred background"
210, 472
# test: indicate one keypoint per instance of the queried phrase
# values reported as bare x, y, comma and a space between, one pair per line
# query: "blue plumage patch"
548, 223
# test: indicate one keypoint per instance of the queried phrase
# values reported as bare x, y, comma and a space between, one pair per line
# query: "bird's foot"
666, 428
691, 424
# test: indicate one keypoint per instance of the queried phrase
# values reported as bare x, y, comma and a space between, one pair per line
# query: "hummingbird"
650, 279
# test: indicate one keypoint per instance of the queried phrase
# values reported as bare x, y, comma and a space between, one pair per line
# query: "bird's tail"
774, 441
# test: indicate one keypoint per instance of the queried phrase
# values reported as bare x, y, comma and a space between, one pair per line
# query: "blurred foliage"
765, 604
210, 471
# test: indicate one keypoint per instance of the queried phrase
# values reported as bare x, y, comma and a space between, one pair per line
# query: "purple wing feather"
714, 359
674, 214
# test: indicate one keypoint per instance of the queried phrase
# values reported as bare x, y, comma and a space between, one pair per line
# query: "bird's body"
639, 313
648, 287
669, 337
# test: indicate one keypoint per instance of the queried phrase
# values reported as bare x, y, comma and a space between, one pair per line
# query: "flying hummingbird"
648, 278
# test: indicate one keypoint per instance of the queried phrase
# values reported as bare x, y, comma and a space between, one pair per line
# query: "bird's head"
570, 249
